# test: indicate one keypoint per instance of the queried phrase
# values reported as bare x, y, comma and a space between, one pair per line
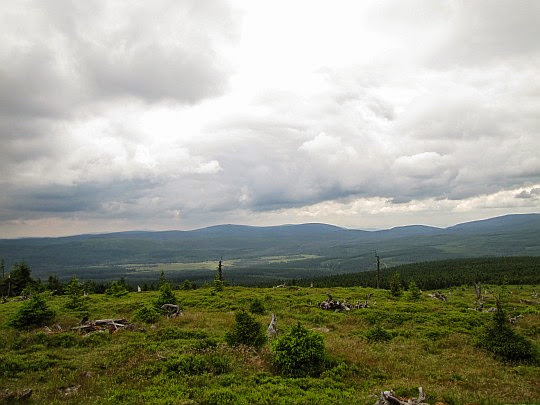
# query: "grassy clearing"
430, 344
211, 264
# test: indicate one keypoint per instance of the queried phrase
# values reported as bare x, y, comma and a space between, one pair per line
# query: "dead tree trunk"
479, 306
389, 398
272, 328
172, 310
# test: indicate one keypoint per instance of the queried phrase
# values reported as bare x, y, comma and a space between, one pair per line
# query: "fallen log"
389, 398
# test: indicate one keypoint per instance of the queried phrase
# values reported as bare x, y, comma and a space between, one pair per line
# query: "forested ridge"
444, 274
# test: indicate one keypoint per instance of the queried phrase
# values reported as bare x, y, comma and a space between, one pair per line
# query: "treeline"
442, 274
19, 282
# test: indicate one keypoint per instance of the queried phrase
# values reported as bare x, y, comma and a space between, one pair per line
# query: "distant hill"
305, 249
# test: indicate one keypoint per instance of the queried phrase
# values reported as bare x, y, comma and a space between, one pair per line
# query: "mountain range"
275, 251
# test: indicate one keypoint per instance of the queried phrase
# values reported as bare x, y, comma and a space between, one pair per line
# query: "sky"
123, 115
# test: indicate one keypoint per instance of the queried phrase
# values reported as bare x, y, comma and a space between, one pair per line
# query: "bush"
501, 340
63, 340
220, 396
33, 313
300, 353
173, 333
147, 315
378, 334
257, 307
12, 365
246, 331
197, 364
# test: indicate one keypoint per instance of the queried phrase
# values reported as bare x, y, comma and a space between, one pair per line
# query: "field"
185, 360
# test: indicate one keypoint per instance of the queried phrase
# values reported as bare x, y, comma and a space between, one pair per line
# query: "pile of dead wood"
102, 325
389, 398
333, 305
438, 296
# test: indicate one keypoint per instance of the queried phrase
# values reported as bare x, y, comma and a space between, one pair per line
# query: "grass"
431, 345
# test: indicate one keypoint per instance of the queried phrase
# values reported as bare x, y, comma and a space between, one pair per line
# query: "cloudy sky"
121, 115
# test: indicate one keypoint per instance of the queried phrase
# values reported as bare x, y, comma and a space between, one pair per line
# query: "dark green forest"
443, 274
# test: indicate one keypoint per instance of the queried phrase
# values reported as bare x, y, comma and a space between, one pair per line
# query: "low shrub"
299, 353
257, 307
12, 365
221, 396
205, 344
63, 340
147, 315
173, 333
378, 334
197, 364
96, 339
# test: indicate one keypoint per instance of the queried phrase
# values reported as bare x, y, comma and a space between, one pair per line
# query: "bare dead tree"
479, 298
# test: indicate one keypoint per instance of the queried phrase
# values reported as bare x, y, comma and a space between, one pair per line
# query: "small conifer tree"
395, 285
414, 292
300, 353
166, 296
246, 331
116, 289
502, 341
33, 313
75, 293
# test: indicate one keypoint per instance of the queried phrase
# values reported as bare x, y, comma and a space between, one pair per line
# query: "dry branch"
102, 324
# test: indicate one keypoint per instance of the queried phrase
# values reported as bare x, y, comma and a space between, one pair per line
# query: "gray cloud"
484, 32
532, 193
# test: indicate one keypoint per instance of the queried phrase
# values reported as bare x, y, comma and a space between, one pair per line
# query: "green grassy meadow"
185, 360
